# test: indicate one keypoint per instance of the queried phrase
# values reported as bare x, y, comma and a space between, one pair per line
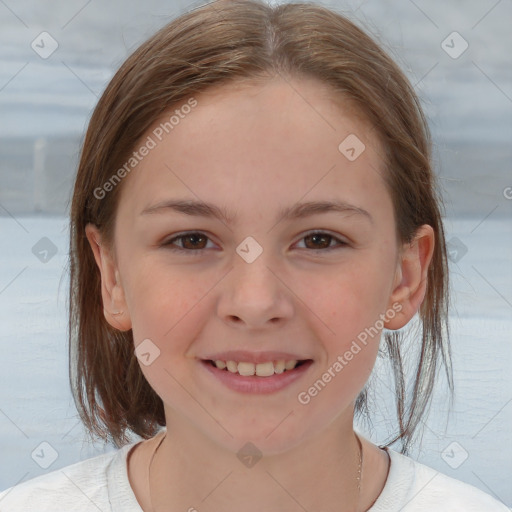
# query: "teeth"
279, 366
261, 369
264, 369
246, 369
232, 366
290, 365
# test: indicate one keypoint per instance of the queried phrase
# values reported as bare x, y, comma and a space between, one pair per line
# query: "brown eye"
194, 241
318, 240
191, 242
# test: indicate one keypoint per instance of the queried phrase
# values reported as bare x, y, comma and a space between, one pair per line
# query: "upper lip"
254, 357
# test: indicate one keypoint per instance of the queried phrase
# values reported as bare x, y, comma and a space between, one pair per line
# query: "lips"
251, 372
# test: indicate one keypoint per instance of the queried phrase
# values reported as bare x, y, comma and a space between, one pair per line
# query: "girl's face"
259, 285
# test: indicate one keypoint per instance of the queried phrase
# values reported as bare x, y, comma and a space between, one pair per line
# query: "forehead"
258, 143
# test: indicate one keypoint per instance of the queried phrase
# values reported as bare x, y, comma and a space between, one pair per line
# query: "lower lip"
254, 384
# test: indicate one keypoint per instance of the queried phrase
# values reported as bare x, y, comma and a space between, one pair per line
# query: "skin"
245, 146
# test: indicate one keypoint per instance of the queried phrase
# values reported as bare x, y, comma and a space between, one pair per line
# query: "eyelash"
169, 243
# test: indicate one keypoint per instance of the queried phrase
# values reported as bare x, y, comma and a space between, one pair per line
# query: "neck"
189, 470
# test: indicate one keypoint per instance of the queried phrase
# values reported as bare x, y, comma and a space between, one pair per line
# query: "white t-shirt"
101, 484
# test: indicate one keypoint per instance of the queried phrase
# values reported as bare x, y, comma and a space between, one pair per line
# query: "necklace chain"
358, 478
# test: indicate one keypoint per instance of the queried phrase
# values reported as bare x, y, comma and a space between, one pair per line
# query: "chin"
264, 439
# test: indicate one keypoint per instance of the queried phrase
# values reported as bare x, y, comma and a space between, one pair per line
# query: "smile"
260, 369
256, 378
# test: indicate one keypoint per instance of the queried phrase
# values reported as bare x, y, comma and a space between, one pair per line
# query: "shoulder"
83, 487
415, 487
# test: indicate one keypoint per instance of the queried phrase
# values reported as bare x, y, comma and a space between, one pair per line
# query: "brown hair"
218, 43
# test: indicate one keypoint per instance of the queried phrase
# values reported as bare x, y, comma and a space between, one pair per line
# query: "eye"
320, 240
191, 242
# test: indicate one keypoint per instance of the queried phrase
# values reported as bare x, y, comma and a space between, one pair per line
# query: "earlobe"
411, 276
112, 292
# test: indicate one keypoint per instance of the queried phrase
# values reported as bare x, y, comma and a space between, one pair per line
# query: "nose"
254, 295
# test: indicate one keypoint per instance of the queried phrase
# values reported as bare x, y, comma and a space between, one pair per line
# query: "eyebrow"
297, 211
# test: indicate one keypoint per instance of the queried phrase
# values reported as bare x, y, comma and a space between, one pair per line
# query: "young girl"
254, 206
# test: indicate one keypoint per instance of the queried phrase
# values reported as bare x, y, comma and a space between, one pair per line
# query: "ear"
115, 308
410, 282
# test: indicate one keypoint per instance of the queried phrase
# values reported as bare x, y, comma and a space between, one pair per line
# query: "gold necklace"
359, 471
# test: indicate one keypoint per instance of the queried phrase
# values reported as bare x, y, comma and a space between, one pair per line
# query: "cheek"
164, 302
350, 304
351, 299
169, 309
